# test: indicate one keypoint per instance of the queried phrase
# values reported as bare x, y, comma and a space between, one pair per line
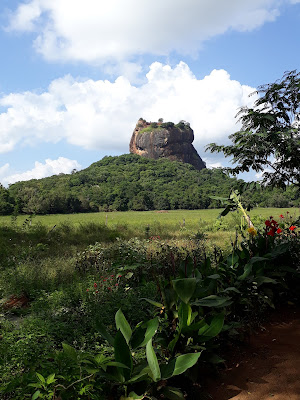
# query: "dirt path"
269, 368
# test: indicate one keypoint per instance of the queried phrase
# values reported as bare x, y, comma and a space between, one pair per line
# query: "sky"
75, 76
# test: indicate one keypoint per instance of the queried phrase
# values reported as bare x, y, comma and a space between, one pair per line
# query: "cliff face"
165, 141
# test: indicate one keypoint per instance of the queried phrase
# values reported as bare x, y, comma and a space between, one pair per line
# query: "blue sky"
75, 76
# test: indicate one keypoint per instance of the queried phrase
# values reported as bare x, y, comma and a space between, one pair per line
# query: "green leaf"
123, 355
152, 327
152, 361
264, 279
230, 289
154, 303
123, 325
70, 351
133, 396
172, 393
247, 272
179, 365
185, 288
51, 379
103, 332
41, 378
184, 315
212, 301
36, 395
141, 375
209, 331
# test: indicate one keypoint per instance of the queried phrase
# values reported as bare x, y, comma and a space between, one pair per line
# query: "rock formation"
165, 140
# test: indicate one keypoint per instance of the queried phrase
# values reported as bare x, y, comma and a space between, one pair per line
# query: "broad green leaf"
123, 325
212, 330
212, 301
152, 327
184, 315
154, 303
140, 376
70, 351
185, 288
116, 364
214, 276
103, 332
132, 396
172, 393
50, 379
152, 361
144, 333
179, 365
123, 356
230, 289
41, 378
173, 342
247, 272
36, 395
264, 279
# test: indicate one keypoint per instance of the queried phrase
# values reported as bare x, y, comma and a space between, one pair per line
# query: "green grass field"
176, 224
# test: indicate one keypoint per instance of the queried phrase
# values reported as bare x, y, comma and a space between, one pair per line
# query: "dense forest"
131, 182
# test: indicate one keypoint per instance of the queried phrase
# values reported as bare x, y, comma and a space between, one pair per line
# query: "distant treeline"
131, 182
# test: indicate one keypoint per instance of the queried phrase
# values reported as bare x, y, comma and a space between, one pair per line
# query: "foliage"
127, 182
269, 140
199, 297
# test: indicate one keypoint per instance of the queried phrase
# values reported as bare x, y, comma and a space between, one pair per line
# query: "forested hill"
127, 182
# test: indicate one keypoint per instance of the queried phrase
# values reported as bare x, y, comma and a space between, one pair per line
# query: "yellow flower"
252, 231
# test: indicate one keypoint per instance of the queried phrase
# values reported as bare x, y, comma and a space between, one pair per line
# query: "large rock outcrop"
165, 140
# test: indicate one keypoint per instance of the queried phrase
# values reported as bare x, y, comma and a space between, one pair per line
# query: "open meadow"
100, 305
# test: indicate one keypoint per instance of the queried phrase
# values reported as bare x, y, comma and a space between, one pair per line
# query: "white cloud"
40, 170
101, 32
102, 114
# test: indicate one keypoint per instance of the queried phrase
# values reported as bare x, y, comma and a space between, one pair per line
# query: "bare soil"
266, 368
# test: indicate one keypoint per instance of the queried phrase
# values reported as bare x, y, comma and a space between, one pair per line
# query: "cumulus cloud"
102, 114
40, 170
100, 32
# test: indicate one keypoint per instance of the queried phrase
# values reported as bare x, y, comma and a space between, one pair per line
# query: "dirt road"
268, 368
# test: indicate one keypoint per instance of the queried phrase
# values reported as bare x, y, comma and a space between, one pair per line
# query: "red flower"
117, 284
112, 276
271, 232
109, 288
97, 291
268, 223
274, 222
281, 216
291, 228
87, 290
279, 230
95, 285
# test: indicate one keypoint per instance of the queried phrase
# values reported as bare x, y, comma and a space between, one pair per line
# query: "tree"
269, 140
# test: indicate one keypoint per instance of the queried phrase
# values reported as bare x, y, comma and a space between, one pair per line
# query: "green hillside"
131, 182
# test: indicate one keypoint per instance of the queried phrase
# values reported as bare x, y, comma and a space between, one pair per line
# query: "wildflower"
87, 290
293, 227
271, 232
116, 284
279, 230
95, 285
281, 216
97, 291
252, 231
109, 288
112, 276
268, 223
